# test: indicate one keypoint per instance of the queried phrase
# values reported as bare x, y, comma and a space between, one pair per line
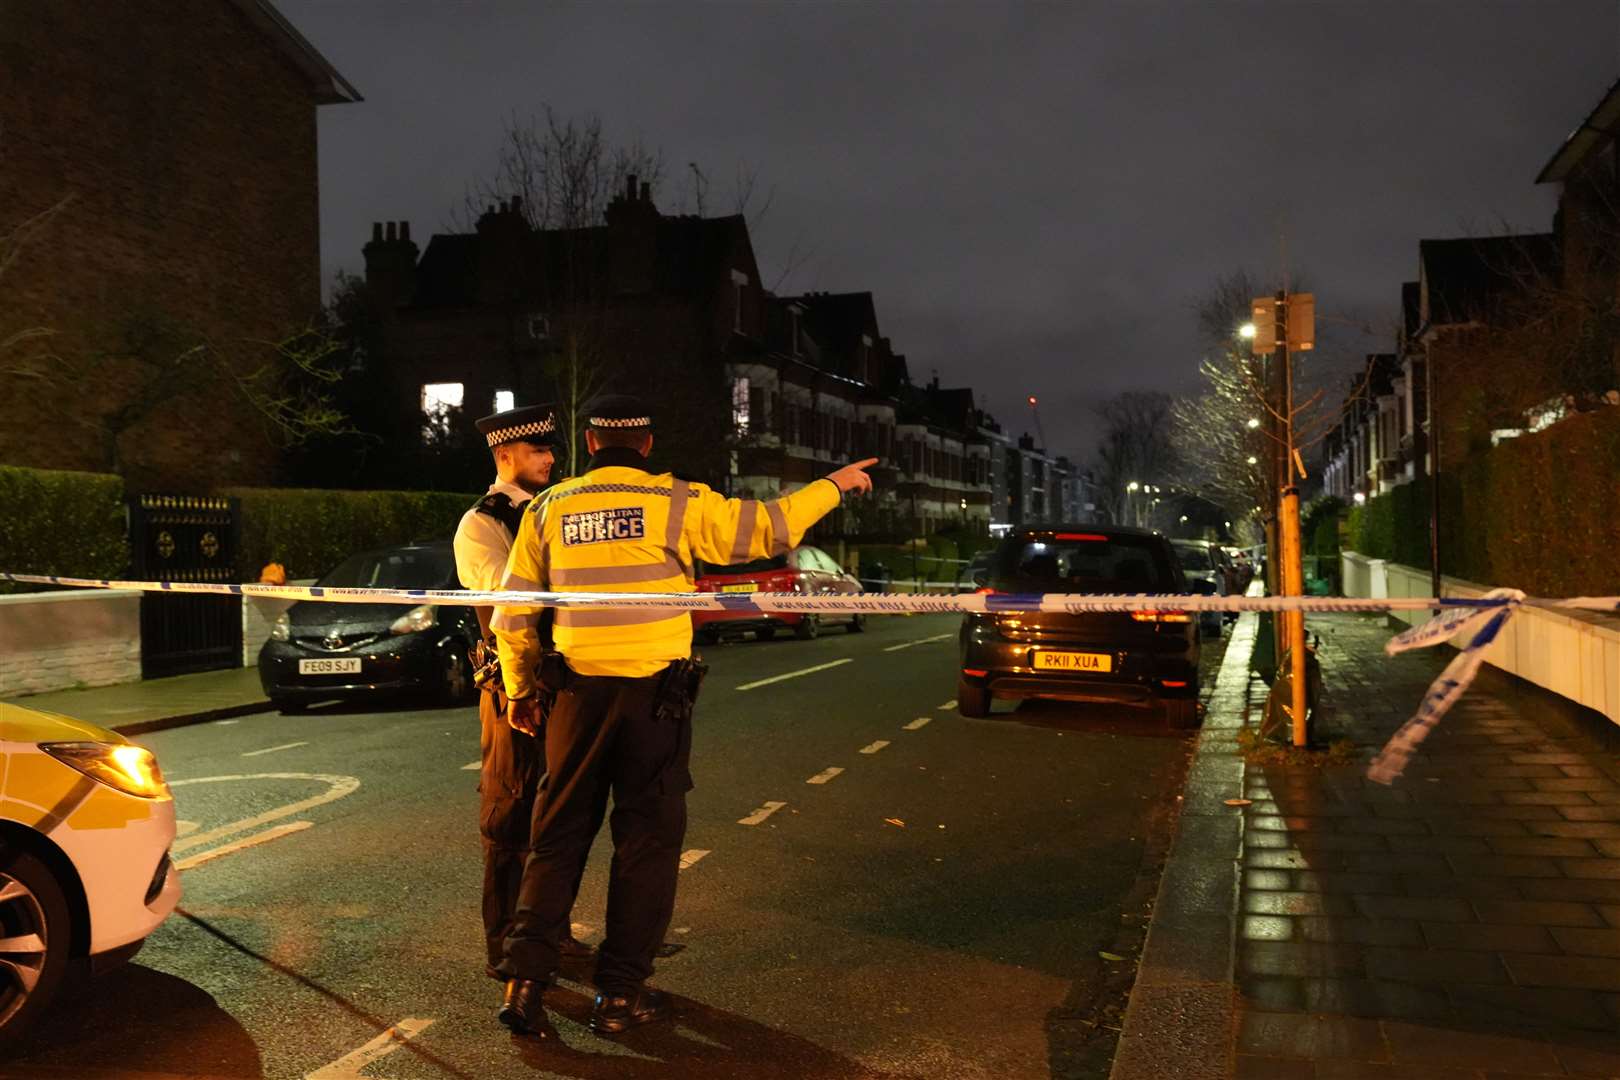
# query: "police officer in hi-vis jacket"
524, 443
620, 720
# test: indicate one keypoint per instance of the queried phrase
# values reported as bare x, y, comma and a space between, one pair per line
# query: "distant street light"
1253, 423
1132, 486
1360, 498
1253, 460
1246, 331
1184, 519
1228, 524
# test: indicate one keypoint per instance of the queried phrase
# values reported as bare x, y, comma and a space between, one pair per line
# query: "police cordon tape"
1482, 617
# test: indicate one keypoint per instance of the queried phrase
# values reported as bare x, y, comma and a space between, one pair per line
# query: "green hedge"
57, 522
1540, 513
309, 531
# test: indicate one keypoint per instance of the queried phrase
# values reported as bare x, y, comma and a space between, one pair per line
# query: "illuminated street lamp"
1246, 331
1253, 423
1132, 486
1184, 519
1253, 460
1360, 499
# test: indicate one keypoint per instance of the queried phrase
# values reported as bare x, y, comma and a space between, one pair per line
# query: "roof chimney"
646, 192
390, 264
389, 234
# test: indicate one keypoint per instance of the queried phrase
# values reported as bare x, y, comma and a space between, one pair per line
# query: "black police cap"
535, 424
617, 411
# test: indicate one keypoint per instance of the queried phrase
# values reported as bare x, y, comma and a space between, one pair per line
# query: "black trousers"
507, 781
603, 737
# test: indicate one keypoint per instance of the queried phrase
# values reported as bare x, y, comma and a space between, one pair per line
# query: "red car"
805, 569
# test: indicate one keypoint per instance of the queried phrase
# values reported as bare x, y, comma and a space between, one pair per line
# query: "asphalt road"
935, 909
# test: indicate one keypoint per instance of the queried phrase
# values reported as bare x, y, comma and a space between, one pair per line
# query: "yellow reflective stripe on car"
109, 809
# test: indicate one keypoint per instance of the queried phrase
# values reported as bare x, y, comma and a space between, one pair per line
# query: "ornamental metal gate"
186, 538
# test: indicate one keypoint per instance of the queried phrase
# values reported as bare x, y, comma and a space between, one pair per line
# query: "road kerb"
1181, 1016
163, 723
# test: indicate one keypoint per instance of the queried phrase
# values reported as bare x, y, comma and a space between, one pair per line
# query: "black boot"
572, 948
521, 1009
616, 1012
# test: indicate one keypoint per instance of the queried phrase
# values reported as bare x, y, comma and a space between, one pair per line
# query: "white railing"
1575, 654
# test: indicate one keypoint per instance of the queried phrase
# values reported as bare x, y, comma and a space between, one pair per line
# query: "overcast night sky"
1035, 195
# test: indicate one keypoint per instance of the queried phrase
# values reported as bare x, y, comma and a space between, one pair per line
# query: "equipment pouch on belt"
486, 665
678, 689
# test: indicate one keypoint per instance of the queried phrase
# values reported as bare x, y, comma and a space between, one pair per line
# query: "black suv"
1135, 657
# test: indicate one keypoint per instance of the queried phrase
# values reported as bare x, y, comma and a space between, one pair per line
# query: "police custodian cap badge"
617, 411
535, 424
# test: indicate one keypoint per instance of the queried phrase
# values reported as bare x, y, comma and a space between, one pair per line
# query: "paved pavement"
1462, 923
875, 887
154, 704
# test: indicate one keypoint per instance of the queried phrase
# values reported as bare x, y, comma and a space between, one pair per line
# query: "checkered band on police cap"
618, 411
531, 423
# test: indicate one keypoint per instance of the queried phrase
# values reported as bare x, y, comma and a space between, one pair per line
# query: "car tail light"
1173, 684
986, 591
1161, 616
1093, 537
975, 672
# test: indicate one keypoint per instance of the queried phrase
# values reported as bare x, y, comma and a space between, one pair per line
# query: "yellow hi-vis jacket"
623, 529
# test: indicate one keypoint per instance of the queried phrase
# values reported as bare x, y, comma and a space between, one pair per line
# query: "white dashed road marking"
919, 641
251, 840
349, 1065
920, 722
796, 674
273, 749
824, 775
951, 704
872, 748
692, 857
770, 807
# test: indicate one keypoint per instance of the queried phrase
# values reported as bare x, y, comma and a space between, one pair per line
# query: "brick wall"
53, 641
187, 141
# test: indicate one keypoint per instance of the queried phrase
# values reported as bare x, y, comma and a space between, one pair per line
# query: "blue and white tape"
1483, 617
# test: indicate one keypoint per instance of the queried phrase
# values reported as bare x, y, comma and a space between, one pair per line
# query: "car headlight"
129, 768
415, 620
281, 629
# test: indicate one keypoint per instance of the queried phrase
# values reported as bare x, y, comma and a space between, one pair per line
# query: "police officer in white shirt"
524, 443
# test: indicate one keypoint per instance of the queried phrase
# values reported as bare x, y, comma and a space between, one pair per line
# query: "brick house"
824, 387
655, 304
184, 135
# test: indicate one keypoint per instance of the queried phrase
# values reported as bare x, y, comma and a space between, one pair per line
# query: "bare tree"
1135, 449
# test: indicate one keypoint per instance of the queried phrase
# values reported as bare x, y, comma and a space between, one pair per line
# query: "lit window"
438, 401
505, 400
739, 404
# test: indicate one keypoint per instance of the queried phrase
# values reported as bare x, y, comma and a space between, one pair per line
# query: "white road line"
224, 723
824, 775
796, 674
691, 857
337, 788
349, 1065
471, 765
252, 840
872, 748
920, 722
919, 641
951, 704
273, 749
771, 806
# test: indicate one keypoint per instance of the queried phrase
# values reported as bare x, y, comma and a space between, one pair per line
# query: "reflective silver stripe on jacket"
505, 618
615, 575
613, 489
779, 528
745, 532
587, 617
678, 494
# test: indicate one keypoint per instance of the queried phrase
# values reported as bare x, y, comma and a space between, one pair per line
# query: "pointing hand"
853, 477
